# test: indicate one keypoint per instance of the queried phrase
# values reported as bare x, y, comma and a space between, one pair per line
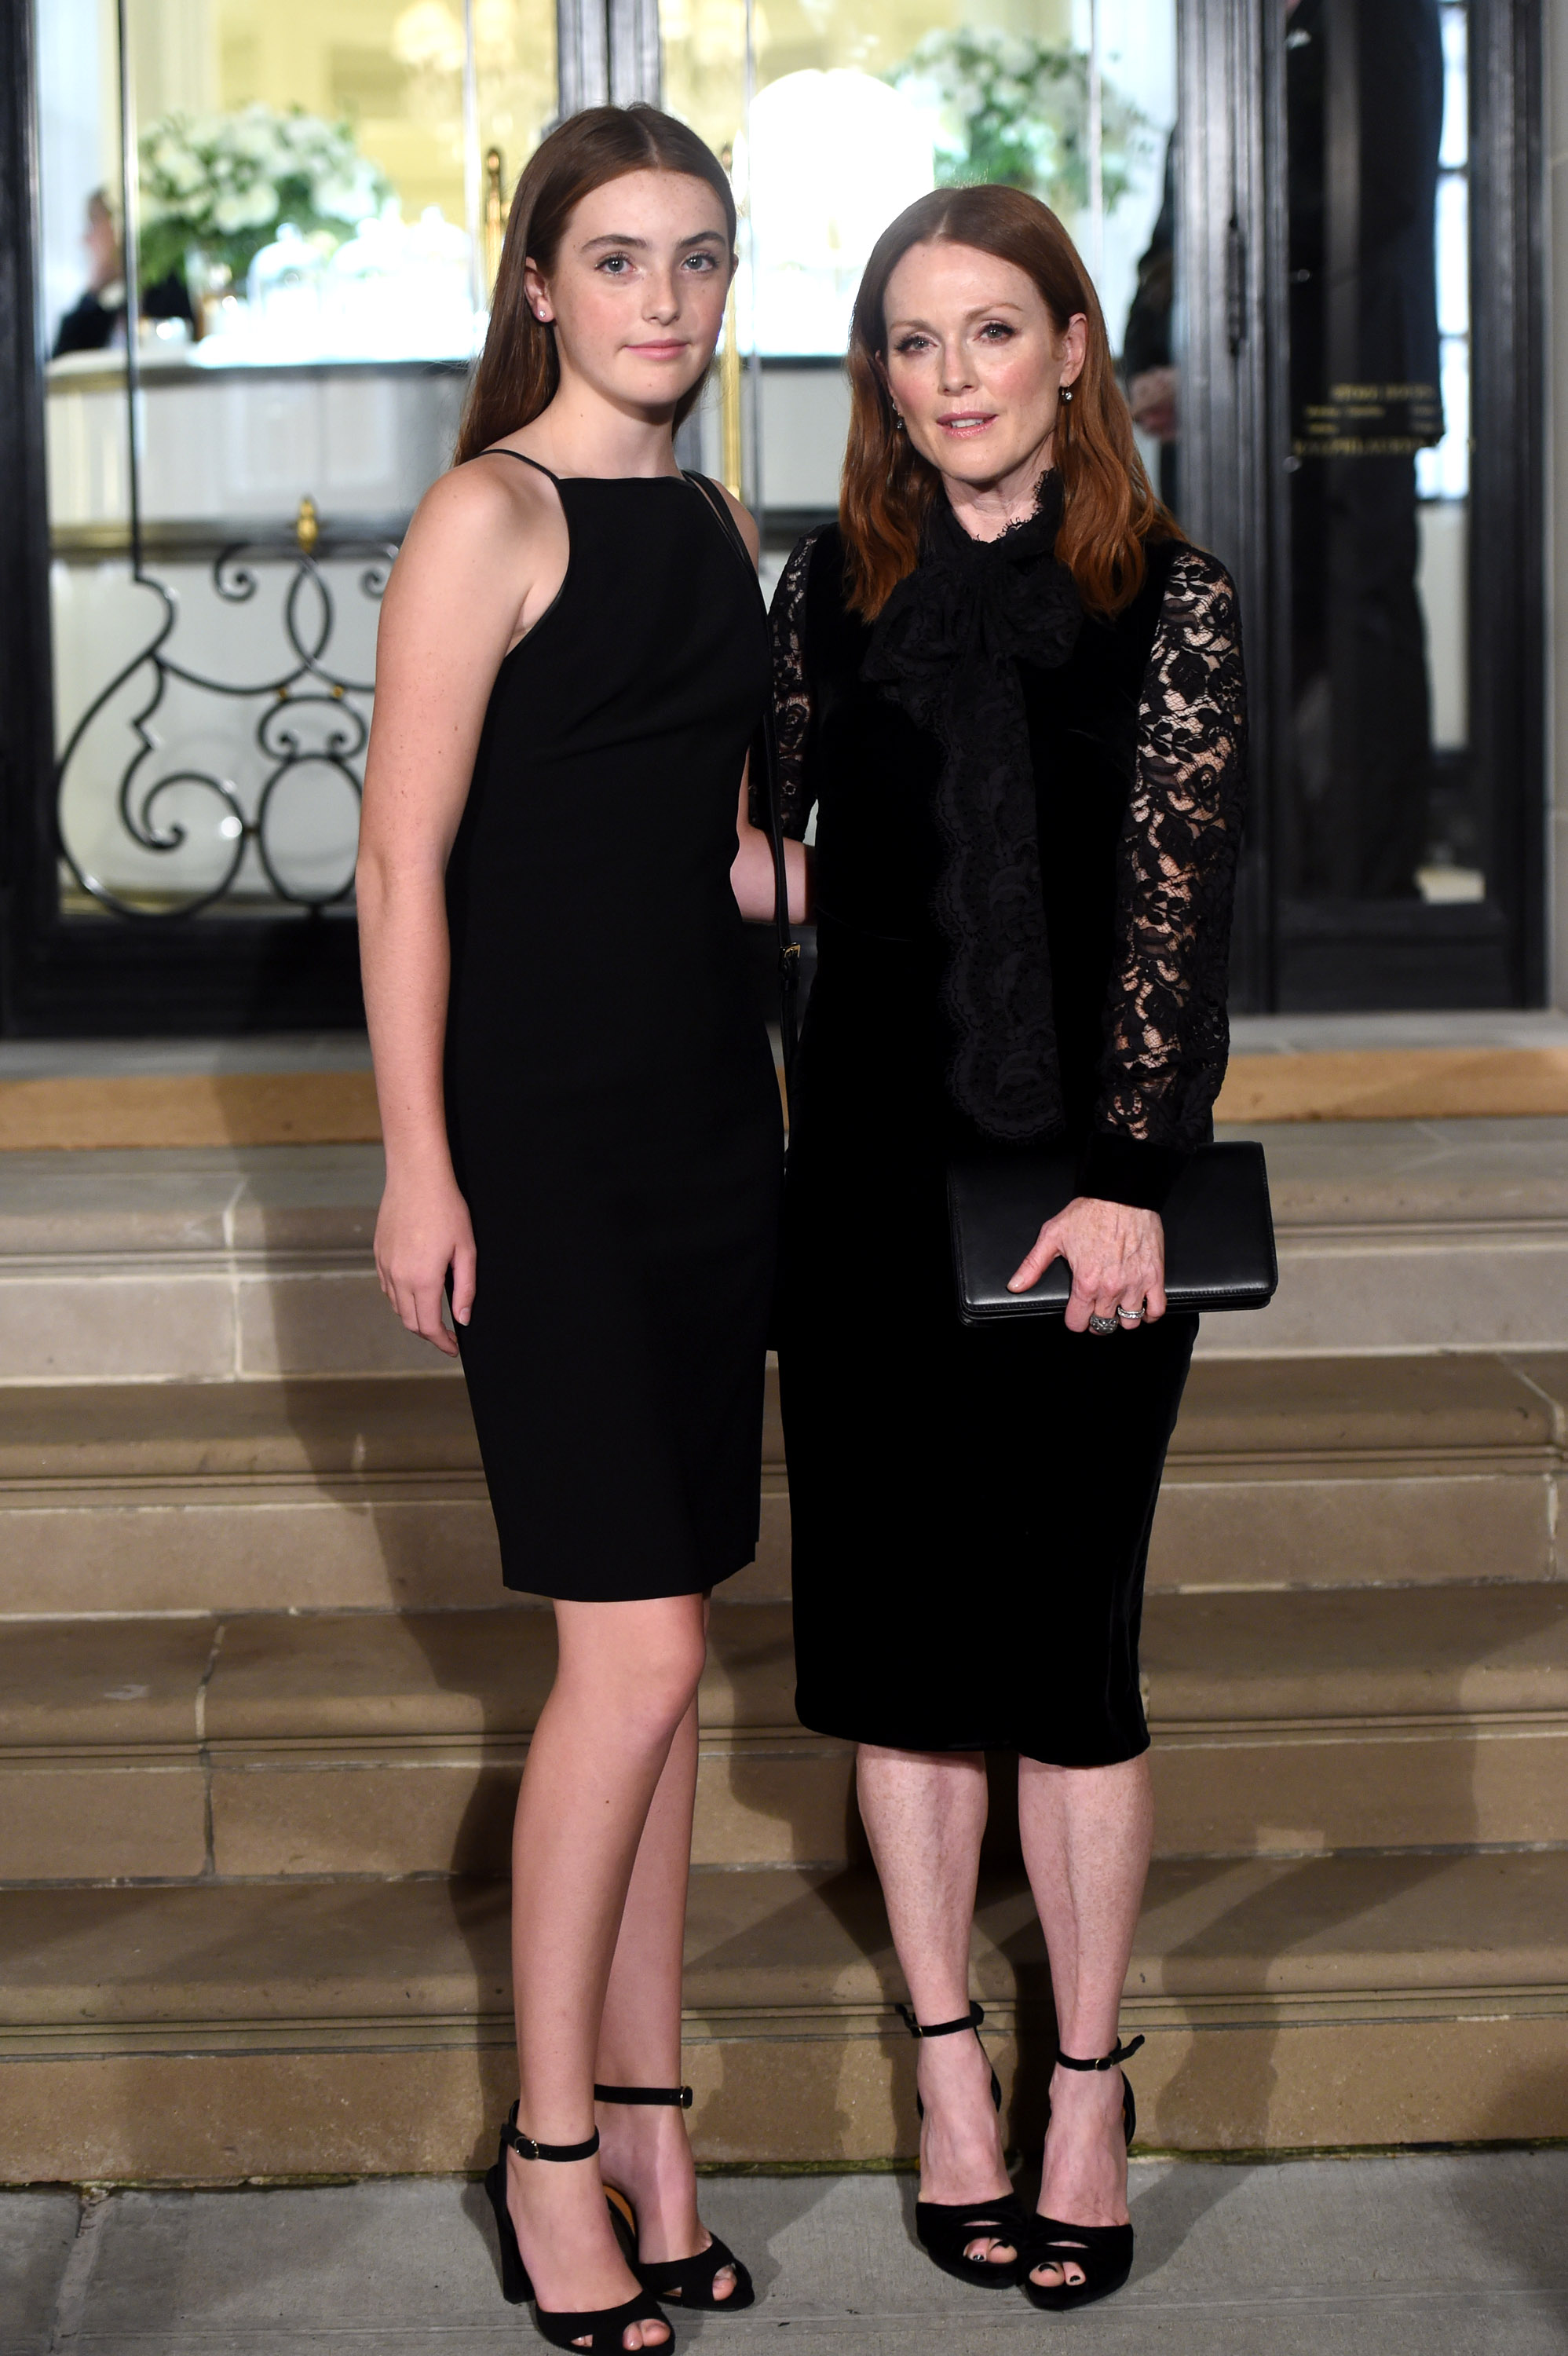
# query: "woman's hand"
1116, 1255
423, 1229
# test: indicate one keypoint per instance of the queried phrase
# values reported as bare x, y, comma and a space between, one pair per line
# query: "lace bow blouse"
1056, 801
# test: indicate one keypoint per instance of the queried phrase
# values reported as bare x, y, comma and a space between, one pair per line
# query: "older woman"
1012, 693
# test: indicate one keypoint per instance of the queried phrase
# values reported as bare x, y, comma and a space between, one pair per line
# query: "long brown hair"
1108, 509
519, 370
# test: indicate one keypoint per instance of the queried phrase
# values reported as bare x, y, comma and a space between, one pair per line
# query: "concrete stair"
263, 1706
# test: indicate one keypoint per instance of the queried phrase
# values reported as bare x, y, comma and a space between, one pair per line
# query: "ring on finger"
1102, 1324
1132, 1316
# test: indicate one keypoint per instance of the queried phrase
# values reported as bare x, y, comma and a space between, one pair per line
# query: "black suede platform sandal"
603, 2327
1103, 2253
946, 2228
684, 2282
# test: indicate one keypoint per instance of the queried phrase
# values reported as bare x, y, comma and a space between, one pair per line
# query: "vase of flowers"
1008, 108
215, 189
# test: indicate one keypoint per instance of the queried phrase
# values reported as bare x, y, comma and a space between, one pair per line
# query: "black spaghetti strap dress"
611, 1096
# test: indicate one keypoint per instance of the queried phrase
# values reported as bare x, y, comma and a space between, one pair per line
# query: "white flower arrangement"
1011, 109
221, 183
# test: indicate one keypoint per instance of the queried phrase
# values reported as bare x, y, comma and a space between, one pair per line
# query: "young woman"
1012, 692
582, 1128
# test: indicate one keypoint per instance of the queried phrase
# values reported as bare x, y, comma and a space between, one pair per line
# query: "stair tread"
1321, 1173
1416, 1401
191, 1199
329, 1426
345, 1426
80, 1959
1334, 1653
1312, 1655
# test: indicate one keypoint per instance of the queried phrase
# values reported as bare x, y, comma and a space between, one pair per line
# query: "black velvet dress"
971, 1509
611, 1097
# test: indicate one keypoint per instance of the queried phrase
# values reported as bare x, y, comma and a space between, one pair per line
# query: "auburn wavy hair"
1108, 508
517, 371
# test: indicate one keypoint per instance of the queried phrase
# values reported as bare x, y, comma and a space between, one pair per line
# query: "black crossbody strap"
789, 947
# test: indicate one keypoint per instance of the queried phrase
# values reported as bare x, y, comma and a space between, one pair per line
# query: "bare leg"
1086, 1836
626, 1681
646, 2151
924, 1812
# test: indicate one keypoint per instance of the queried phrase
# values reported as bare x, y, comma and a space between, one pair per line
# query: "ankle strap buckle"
971, 2020
1118, 2052
527, 2149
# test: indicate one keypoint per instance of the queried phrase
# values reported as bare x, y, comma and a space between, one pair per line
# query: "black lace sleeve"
1167, 1037
792, 697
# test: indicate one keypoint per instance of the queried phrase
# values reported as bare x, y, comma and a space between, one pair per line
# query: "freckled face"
975, 363
638, 288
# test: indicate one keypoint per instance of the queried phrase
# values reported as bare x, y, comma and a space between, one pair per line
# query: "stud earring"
1067, 392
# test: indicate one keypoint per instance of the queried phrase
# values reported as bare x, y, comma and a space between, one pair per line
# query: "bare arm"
752, 876
462, 591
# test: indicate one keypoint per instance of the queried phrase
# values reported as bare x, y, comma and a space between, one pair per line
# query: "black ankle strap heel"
1111, 2060
946, 2228
605, 2327
971, 2020
684, 2282
1103, 2254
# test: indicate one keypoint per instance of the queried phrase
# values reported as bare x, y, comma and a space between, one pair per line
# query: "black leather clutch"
1219, 1231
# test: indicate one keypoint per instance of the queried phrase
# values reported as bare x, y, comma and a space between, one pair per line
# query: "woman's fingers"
1095, 1296
464, 1273
418, 1301
428, 1300
1029, 1271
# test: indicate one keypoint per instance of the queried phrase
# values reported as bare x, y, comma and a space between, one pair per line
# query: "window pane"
310, 174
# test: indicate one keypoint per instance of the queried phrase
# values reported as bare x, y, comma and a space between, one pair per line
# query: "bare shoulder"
480, 504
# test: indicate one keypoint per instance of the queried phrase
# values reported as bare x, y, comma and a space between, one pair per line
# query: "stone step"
275, 1745
232, 2031
366, 1492
1419, 1235
218, 1264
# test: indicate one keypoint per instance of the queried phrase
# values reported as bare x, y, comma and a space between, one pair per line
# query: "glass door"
835, 119
263, 243
1403, 797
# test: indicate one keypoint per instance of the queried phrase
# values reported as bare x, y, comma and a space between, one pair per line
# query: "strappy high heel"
1103, 2253
946, 2228
684, 2282
602, 2327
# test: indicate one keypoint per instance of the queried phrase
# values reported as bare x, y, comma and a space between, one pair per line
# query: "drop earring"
1067, 392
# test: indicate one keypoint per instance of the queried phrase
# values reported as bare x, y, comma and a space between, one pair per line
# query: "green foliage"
1012, 109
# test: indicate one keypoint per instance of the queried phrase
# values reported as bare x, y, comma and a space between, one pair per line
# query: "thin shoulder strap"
496, 451
789, 947
721, 506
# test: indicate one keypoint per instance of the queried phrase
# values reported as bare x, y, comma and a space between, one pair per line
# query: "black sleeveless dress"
611, 1097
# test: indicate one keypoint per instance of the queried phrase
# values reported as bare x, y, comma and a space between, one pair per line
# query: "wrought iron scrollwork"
308, 719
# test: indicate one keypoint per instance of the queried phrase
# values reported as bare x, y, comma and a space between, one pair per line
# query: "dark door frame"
1223, 353
1231, 187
